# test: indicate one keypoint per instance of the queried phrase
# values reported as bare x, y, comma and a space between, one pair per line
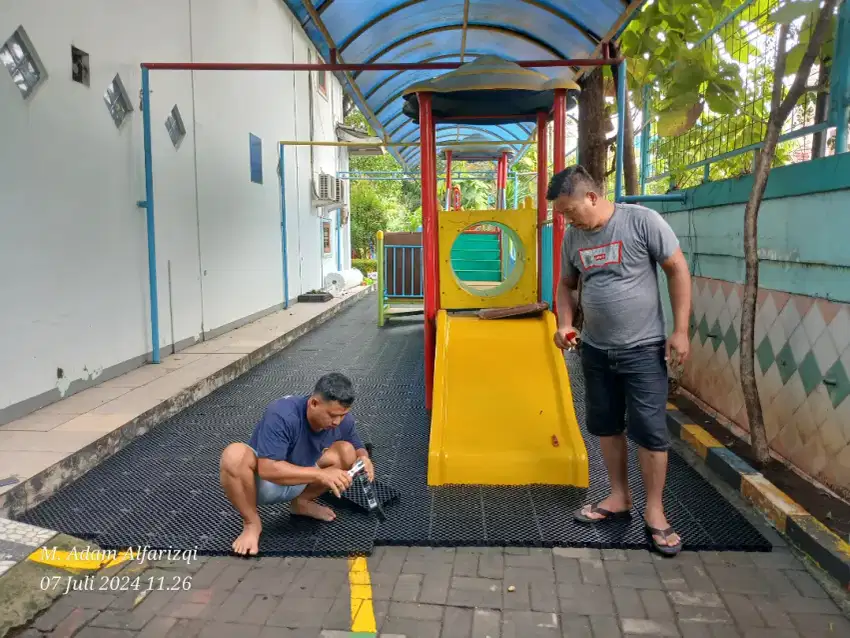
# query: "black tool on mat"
358, 474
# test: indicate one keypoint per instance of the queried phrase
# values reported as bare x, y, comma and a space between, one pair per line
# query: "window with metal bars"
18, 56
175, 127
117, 101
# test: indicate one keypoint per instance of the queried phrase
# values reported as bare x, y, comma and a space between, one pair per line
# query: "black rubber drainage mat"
163, 489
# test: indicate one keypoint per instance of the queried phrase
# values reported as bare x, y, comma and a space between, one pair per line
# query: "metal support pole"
448, 179
840, 81
428, 164
339, 239
621, 129
558, 222
499, 180
644, 139
359, 67
381, 278
283, 242
516, 190
503, 202
542, 185
149, 207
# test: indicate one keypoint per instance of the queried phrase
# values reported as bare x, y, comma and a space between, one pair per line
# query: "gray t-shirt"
618, 267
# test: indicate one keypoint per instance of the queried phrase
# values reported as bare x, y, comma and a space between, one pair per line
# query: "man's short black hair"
335, 387
574, 180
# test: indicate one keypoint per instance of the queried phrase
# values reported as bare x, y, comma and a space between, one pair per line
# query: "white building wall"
74, 288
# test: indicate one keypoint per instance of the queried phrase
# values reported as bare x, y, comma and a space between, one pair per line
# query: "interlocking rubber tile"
165, 486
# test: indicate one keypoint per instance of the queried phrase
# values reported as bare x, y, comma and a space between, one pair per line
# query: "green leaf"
720, 100
677, 121
793, 10
795, 58
630, 44
667, 6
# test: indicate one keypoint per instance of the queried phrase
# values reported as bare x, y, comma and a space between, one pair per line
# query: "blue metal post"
840, 81
284, 252
339, 239
644, 140
146, 124
621, 128
516, 190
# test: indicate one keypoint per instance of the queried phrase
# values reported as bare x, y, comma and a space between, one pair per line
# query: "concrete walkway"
455, 593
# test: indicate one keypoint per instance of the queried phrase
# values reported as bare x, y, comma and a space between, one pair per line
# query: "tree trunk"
752, 400
592, 147
779, 112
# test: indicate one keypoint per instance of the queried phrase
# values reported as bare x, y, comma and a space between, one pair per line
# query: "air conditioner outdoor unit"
340, 191
325, 189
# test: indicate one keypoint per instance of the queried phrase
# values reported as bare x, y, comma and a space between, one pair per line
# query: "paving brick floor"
459, 593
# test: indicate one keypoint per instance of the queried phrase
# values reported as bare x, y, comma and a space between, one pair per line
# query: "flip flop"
607, 515
666, 550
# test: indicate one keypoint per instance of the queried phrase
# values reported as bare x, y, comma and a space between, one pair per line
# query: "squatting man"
302, 448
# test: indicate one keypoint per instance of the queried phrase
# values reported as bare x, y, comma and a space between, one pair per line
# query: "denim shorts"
626, 391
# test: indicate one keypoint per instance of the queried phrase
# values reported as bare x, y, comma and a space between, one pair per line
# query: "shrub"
365, 265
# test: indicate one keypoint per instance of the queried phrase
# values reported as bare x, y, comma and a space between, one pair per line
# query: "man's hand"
335, 479
678, 348
566, 337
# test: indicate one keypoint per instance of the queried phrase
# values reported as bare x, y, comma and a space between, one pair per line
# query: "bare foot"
248, 542
303, 507
612, 504
657, 520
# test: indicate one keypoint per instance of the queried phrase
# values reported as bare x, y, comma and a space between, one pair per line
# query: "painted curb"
40, 487
789, 518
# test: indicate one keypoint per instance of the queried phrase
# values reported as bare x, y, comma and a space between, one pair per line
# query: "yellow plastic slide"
503, 411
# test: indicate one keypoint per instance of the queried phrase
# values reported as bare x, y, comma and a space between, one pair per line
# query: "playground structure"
482, 256
489, 424
474, 400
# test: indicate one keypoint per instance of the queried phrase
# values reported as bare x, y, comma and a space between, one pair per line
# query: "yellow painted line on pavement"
362, 609
76, 559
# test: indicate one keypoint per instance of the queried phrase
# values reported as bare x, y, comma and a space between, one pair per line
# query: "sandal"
666, 550
607, 515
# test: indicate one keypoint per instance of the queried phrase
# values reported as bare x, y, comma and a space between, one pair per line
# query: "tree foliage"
391, 205
712, 98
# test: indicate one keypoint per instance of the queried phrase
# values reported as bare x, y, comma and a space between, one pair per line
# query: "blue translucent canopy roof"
411, 31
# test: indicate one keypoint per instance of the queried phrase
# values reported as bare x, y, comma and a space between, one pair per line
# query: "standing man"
614, 249
302, 448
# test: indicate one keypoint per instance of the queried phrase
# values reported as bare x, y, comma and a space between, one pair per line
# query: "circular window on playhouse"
487, 259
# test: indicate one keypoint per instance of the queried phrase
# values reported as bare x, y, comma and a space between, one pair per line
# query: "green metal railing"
728, 131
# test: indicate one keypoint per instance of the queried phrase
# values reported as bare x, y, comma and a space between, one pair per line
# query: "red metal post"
448, 180
503, 173
542, 184
428, 165
558, 223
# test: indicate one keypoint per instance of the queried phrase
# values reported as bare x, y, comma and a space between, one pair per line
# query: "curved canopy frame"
417, 31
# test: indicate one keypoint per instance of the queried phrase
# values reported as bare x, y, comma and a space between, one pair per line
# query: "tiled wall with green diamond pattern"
802, 371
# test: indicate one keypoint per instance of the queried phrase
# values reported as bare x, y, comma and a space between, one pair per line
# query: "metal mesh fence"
521, 185
726, 116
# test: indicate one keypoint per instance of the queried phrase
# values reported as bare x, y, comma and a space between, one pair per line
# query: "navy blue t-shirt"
284, 434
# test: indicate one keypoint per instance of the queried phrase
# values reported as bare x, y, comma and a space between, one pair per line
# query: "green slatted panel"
476, 257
